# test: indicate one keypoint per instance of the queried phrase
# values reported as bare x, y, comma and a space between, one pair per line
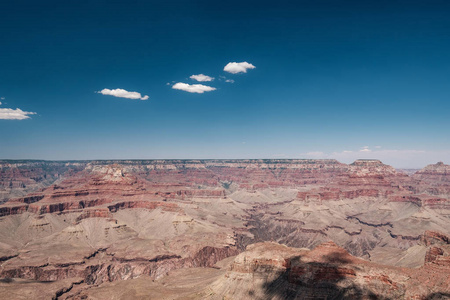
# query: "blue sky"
332, 79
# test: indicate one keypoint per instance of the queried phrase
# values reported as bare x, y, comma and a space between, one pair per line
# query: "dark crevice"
370, 224
5, 258
95, 253
66, 290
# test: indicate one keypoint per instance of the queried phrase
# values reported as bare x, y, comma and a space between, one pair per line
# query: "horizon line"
203, 159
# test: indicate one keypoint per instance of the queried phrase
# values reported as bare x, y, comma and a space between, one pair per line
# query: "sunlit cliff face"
106, 222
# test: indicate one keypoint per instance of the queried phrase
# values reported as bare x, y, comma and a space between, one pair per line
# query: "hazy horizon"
212, 159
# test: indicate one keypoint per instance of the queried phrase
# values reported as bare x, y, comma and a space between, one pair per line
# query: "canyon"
223, 229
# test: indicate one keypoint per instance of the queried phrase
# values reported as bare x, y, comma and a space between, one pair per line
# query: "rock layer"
107, 221
273, 271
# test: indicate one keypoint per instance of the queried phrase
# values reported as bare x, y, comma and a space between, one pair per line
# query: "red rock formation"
337, 194
197, 208
10, 209
433, 253
433, 237
433, 179
94, 213
115, 268
438, 172
437, 203
144, 204
407, 198
331, 272
18, 178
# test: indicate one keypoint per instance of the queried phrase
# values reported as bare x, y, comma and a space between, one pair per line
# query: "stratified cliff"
18, 178
89, 224
274, 271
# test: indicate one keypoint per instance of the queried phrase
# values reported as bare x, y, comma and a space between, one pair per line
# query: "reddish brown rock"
435, 238
144, 204
433, 253
120, 220
95, 213
326, 271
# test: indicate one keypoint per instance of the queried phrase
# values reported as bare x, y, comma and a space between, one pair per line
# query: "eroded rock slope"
96, 222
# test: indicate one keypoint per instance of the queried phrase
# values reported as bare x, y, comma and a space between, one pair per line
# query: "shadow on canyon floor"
328, 280
23, 281
438, 296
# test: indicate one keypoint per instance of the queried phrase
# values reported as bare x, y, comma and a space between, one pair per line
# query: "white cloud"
201, 77
315, 154
365, 149
0, 103
226, 79
121, 93
192, 88
14, 114
2, 98
234, 67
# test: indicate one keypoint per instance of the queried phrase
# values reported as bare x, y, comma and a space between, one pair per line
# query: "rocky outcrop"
143, 204
18, 178
435, 238
437, 172
114, 268
12, 209
432, 254
327, 194
105, 221
269, 270
94, 213
433, 179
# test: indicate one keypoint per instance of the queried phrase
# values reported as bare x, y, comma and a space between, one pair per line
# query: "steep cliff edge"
273, 271
18, 178
116, 221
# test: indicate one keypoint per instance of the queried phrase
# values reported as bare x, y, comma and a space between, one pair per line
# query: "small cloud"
192, 88
223, 78
14, 114
0, 103
2, 98
365, 149
313, 154
201, 77
234, 67
121, 93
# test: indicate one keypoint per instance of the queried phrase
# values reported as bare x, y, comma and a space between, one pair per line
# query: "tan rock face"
327, 271
433, 179
110, 221
18, 178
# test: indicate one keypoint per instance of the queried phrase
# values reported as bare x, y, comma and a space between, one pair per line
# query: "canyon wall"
95, 222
